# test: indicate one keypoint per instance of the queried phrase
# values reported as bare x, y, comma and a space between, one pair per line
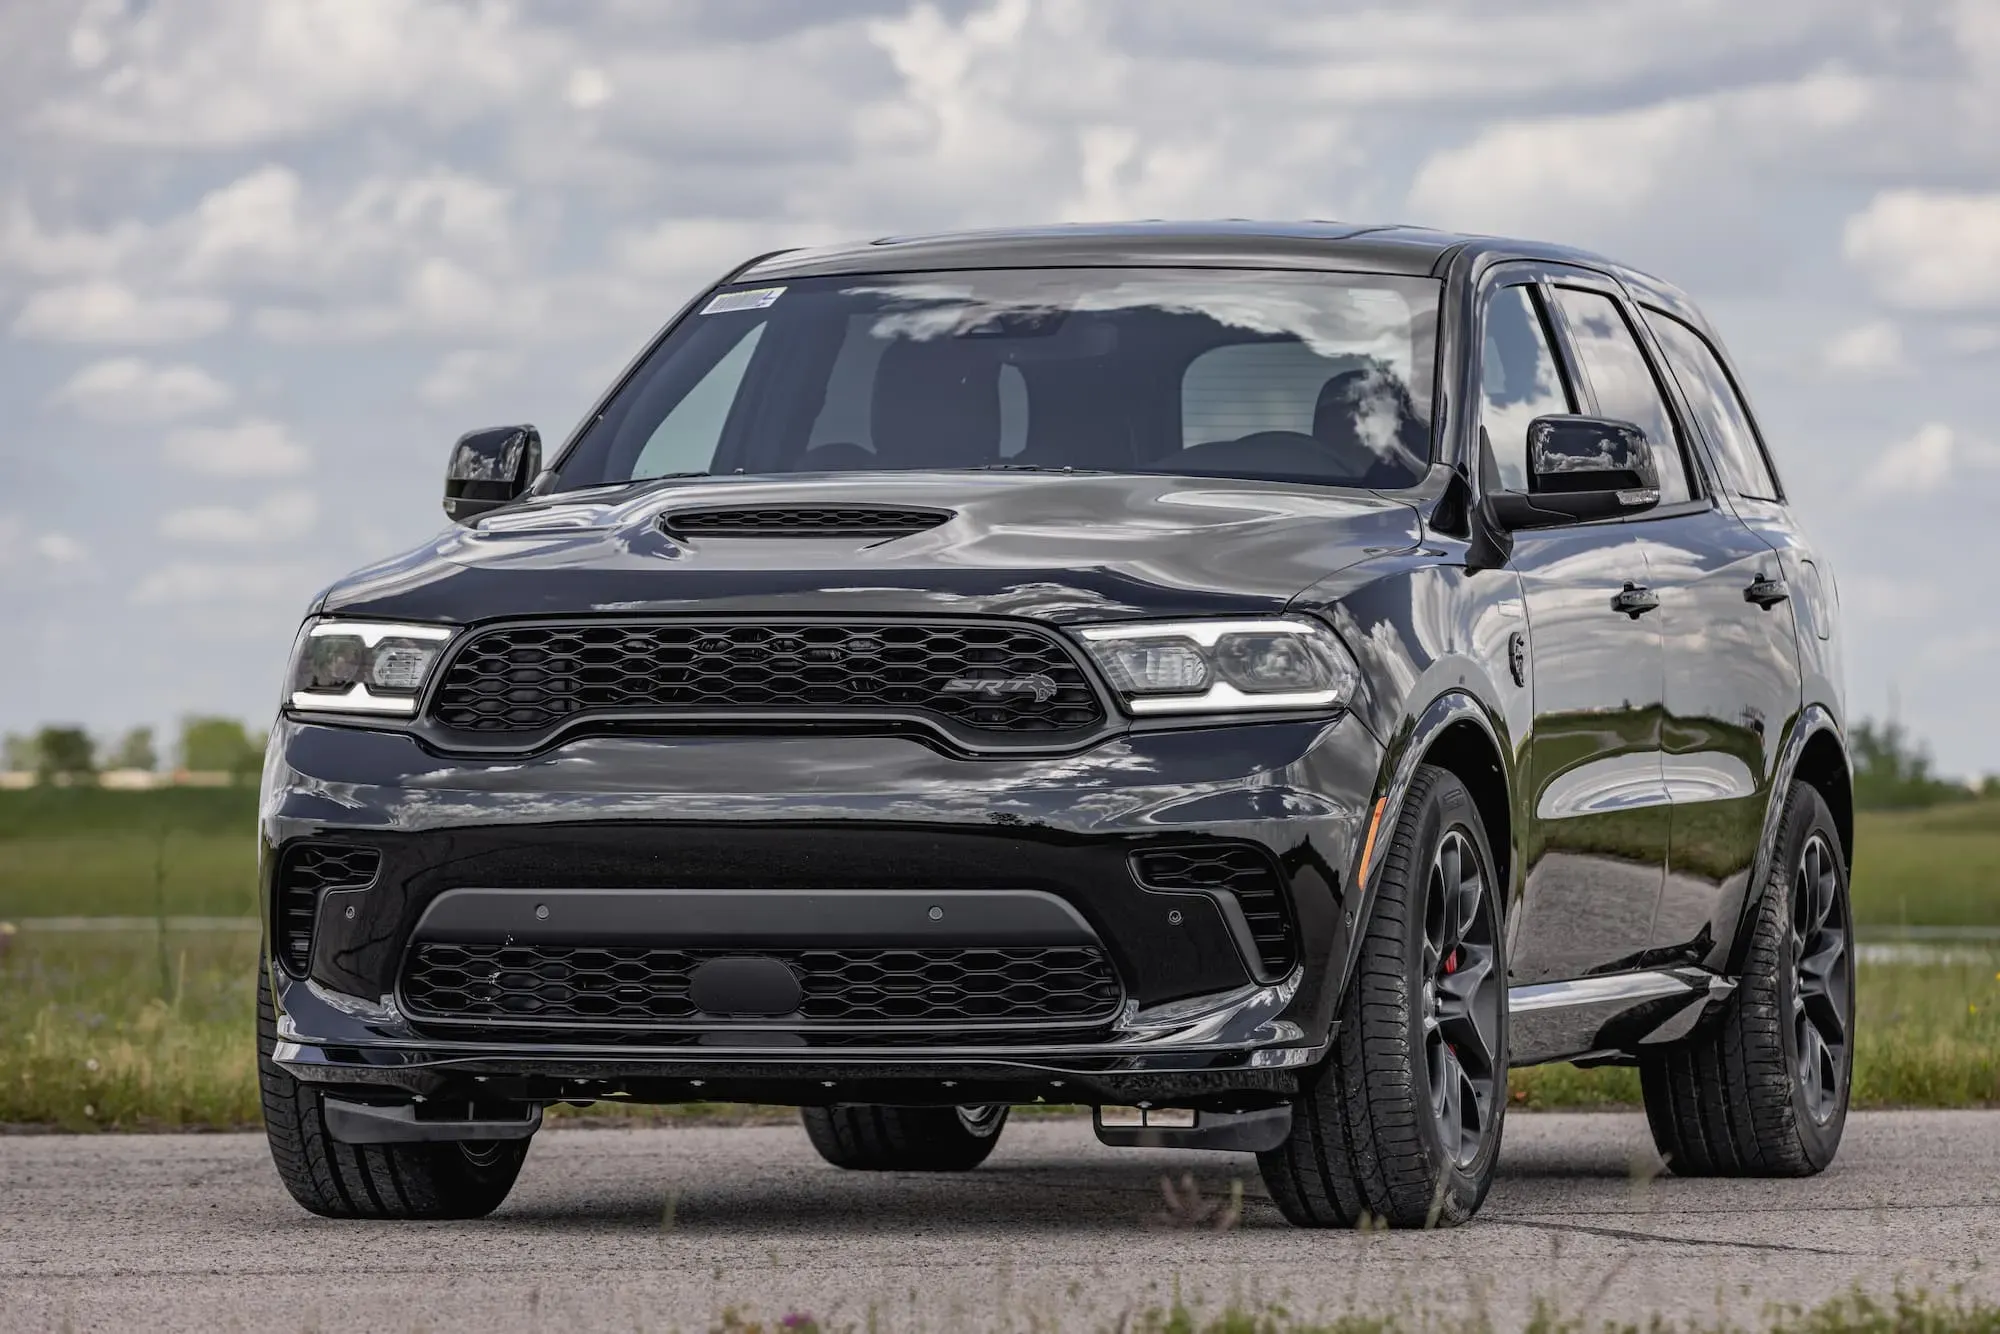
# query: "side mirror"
1581, 468
489, 468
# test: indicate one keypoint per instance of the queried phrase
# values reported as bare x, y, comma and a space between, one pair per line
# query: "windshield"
1314, 377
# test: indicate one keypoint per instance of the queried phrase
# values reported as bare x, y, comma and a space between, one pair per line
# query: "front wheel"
336, 1180
871, 1138
1401, 1126
1763, 1092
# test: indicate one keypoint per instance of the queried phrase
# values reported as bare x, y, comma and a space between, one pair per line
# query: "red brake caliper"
1451, 963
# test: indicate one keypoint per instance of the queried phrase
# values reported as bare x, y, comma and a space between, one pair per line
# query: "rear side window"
1717, 407
1623, 380
1518, 381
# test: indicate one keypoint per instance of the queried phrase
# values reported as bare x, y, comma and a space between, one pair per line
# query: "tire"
1426, 1011
1737, 1099
868, 1138
336, 1180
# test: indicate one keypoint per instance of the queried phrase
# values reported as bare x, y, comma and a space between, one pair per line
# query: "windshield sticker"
755, 299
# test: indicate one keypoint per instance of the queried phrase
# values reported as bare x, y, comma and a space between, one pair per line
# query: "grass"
88, 852
1934, 867
129, 1030
165, 1016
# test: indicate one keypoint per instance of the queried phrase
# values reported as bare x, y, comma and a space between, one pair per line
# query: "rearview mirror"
1581, 468
489, 468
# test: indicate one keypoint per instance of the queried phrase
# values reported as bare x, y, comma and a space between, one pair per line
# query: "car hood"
1051, 546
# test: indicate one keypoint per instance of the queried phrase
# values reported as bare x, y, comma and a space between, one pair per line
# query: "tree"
136, 751
220, 745
1891, 771
63, 755
19, 754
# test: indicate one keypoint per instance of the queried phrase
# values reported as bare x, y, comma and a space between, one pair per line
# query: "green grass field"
144, 1029
192, 851
151, 1028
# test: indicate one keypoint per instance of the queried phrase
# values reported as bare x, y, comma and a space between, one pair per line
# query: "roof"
1230, 243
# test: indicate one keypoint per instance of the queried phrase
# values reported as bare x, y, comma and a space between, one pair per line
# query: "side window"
1518, 380
1625, 386
1717, 407
686, 437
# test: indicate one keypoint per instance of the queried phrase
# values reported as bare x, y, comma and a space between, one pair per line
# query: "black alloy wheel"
1402, 1123
1822, 980
1461, 997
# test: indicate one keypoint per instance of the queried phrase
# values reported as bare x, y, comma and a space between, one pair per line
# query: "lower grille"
1245, 871
637, 986
306, 871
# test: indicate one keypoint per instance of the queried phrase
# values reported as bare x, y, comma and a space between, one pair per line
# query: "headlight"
364, 666
1222, 666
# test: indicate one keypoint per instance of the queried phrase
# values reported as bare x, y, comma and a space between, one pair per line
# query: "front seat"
936, 404
1366, 418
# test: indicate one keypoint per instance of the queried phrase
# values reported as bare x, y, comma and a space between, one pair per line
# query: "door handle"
1635, 600
1766, 593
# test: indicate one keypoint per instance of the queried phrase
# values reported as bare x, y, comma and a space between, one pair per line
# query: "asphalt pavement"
670, 1228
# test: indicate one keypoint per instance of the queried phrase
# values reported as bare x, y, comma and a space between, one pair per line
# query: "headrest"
936, 405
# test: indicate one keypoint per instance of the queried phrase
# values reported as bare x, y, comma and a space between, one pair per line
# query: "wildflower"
91, 1064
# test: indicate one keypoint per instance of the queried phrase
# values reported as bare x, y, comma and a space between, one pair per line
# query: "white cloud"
1867, 349
248, 580
1573, 176
109, 312
1928, 459
1973, 339
588, 88
208, 74
127, 389
28, 247
253, 447
60, 548
286, 514
1929, 250
466, 374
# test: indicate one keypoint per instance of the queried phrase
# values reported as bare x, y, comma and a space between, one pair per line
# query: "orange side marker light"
1368, 846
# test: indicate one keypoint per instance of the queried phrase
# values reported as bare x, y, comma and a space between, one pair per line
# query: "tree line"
64, 753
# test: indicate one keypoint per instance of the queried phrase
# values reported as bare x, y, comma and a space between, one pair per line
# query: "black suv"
1260, 682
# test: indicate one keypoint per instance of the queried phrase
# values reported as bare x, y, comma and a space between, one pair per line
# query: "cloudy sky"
262, 260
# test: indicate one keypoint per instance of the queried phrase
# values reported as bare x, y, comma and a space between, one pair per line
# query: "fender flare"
1814, 719
1405, 752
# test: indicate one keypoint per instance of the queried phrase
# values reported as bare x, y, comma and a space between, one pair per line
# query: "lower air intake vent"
803, 521
636, 987
306, 871
1244, 871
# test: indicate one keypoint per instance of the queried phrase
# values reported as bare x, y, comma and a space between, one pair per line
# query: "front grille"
803, 521
639, 986
989, 678
306, 871
1244, 871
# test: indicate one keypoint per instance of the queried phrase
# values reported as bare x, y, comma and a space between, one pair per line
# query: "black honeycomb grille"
990, 678
306, 871
1246, 872
642, 986
803, 521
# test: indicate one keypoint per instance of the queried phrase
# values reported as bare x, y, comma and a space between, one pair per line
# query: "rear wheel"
1402, 1124
870, 1138
337, 1180
1763, 1092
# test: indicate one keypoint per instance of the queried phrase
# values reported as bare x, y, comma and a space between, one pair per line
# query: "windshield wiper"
1029, 467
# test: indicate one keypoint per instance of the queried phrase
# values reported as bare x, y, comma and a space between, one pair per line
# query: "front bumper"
878, 816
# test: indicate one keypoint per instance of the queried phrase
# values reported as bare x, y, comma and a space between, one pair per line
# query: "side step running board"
361, 1123
1179, 1128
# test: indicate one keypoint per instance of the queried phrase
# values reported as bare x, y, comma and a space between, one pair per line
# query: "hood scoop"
801, 521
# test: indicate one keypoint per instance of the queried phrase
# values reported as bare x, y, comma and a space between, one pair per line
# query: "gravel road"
664, 1229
